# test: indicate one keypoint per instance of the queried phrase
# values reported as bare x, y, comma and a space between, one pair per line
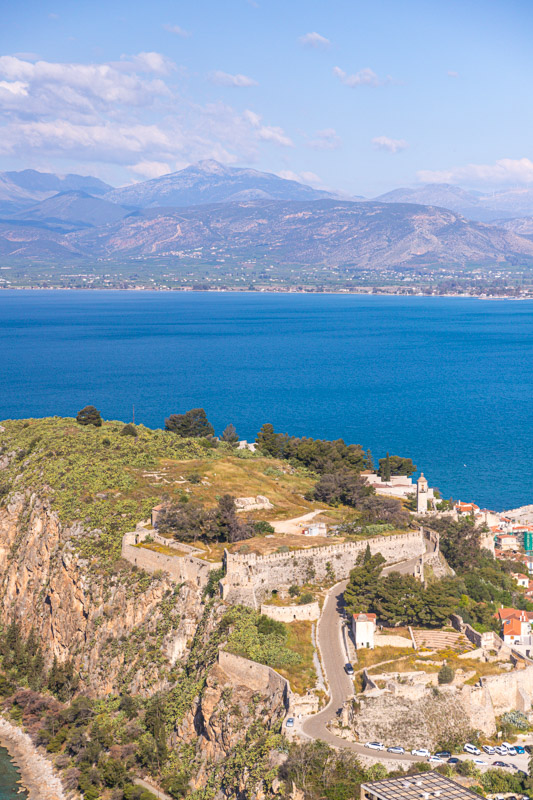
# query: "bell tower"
422, 494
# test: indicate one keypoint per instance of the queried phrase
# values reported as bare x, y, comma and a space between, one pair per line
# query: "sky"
353, 96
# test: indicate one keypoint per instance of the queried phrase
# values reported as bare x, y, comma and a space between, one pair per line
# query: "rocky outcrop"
105, 620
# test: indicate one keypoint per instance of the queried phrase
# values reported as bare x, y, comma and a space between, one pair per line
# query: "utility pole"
133, 415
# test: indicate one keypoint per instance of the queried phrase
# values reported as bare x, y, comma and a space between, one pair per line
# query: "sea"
9, 777
445, 381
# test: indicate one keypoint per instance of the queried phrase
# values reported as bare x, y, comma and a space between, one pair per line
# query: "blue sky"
360, 97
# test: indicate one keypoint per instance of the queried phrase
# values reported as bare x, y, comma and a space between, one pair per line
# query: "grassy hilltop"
110, 482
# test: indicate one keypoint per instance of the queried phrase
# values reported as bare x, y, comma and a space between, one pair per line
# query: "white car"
396, 749
290, 722
472, 749
501, 750
490, 751
511, 752
421, 751
480, 762
435, 760
375, 745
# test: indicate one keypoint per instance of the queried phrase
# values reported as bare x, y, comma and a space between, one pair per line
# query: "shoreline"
288, 291
37, 774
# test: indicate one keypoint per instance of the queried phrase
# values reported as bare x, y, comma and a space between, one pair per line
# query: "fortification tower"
421, 494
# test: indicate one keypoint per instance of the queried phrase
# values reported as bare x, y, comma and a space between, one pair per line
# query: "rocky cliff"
125, 629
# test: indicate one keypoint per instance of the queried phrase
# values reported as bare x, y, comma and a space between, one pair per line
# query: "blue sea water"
9, 775
447, 381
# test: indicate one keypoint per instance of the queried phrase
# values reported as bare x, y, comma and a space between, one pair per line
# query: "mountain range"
247, 214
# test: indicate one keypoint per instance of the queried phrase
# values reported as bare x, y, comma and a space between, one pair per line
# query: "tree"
369, 461
129, 430
440, 601
268, 441
193, 423
395, 465
460, 542
361, 589
446, 674
230, 528
385, 468
399, 599
89, 416
230, 435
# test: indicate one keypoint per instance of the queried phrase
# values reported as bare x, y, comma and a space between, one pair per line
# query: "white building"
363, 629
402, 487
316, 529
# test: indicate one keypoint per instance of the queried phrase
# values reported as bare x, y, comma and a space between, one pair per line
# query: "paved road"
340, 685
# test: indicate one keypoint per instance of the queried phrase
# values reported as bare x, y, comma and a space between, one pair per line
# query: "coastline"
37, 775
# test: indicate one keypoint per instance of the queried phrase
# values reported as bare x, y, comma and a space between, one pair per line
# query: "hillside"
360, 235
22, 189
212, 182
71, 210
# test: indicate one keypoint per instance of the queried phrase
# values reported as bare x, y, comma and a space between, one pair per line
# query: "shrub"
446, 674
89, 416
294, 590
262, 526
129, 430
193, 423
305, 598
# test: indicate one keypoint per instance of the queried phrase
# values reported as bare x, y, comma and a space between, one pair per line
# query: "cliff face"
110, 624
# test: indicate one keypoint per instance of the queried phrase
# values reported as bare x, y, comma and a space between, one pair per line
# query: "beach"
37, 774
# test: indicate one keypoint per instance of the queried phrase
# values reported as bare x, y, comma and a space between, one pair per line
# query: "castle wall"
183, 569
250, 578
308, 611
257, 677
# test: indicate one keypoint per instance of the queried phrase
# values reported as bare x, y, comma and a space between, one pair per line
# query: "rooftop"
415, 787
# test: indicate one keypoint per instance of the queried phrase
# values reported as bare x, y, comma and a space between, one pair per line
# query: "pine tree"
387, 469
89, 416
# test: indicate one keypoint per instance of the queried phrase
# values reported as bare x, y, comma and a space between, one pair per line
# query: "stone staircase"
441, 640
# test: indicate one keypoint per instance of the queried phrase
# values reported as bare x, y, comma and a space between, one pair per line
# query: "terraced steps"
442, 640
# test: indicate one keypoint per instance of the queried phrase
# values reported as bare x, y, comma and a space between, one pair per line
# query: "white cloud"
268, 133
150, 169
365, 77
226, 79
386, 143
452, 74
14, 87
177, 30
504, 171
315, 40
128, 114
326, 139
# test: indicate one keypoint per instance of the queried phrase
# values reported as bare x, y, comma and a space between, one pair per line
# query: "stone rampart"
487, 641
251, 578
257, 677
306, 612
182, 568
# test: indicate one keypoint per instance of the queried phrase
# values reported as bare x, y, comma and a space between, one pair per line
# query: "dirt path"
295, 525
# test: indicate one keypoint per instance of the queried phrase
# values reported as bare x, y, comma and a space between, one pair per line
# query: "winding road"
334, 657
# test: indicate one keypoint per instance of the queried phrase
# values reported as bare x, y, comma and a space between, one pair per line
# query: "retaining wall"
487, 641
250, 578
308, 611
183, 569
257, 677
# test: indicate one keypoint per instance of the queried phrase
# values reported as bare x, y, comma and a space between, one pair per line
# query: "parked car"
501, 751
512, 751
472, 749
519, 749
348, 669
444, 754
396, 749
290, 722
480, 762
489, 750
500, 764
453, 760
435, 760
421, 751
375, 745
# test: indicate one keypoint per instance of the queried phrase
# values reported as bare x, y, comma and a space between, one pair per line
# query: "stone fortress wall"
306, 612
182, 568
250, 578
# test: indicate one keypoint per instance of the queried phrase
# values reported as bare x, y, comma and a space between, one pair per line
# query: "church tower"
421, 494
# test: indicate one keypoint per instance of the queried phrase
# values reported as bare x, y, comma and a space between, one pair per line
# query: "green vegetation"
446, 674
89, 416
230, 434
91, 474
395, 465
257, 637
192, 424
192, 522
